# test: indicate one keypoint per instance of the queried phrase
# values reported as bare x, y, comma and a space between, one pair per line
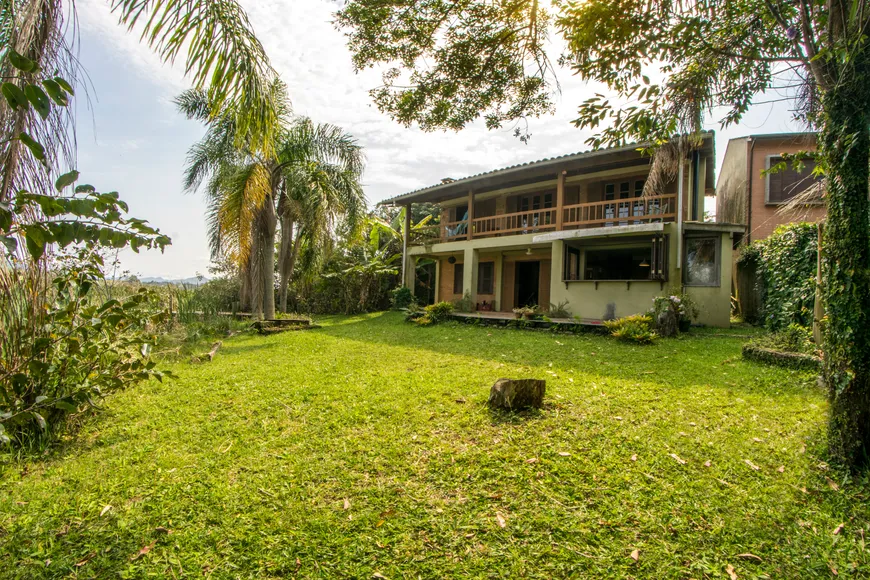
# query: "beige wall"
714, 302
445, 282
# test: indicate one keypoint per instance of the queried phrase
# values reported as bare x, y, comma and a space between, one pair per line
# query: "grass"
365, 447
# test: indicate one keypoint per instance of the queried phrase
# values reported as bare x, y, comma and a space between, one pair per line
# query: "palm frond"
222, 55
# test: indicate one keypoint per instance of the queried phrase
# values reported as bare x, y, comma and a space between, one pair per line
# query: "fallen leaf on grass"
832, 483
834, 571
752, 465
731, 573
379, 575
634, 457
105, 510
85, 560
500, 520
748, 556
564, 454
143, 551
635, 555
781, 469
678, 459
346, 504
162, 530
757, 440
532, 460
618, 418
839, 530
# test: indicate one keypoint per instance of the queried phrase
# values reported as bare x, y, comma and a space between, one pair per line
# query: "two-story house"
746, 194
577, 228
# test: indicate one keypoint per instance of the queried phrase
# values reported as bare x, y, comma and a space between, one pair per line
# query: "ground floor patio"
595, 275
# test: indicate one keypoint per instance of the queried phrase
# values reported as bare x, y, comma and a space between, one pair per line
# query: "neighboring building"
576, 228
745, 195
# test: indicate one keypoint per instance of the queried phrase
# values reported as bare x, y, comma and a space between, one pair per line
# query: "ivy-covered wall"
785, 267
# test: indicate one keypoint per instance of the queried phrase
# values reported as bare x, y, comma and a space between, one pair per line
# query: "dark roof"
454, 187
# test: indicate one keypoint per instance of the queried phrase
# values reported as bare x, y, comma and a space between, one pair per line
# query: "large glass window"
486, 278
631, 263
702, 262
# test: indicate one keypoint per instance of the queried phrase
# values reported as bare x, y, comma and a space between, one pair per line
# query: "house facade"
746, 195
577, 229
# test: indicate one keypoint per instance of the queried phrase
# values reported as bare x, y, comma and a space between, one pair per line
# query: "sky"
132, 140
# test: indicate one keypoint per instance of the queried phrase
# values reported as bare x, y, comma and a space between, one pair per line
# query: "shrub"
439, 311
785, 264
74, 351
401, 297
636, 328
464, 304
559, 310
794, 338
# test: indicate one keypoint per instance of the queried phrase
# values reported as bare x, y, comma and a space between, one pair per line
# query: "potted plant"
527, 312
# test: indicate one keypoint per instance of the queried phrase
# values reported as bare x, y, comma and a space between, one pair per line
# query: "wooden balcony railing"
618, 212
524, 222
621, 212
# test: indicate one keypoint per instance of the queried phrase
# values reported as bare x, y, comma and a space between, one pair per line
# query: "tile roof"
450, 182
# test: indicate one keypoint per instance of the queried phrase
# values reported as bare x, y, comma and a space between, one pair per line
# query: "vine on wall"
785, 264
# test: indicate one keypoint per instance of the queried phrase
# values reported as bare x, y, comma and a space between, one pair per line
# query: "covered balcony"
618, 212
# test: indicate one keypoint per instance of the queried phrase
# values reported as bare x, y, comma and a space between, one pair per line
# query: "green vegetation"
677, 64
786, 264
366, 447
636, 328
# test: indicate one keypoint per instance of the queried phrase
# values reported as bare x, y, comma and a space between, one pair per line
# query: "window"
702, 262
572, 263
618, 264
458, 274
485, 278
784, 185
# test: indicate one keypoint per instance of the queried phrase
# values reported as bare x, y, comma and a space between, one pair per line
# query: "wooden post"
470, 213
560, 200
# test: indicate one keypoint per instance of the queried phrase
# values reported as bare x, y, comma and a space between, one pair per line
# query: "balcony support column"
470, 213
407, 266
560, 201
469, 273
499, 268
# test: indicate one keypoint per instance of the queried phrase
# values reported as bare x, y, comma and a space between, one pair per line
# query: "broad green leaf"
36, 149
66, 406
66, 180
4, 438
85, 188
64, 85
22, 63
14, 95
39, 100
55, 92
34, 239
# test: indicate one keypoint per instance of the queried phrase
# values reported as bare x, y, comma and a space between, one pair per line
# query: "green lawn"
366, 447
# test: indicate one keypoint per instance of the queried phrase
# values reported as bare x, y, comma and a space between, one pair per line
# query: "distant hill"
158, 281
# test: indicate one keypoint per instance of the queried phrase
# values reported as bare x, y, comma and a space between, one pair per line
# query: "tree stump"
667, 323
516, 394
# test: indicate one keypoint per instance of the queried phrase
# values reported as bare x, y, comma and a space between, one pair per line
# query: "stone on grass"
516, 394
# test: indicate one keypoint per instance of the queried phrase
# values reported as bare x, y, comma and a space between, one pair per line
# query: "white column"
469, 273
557, 265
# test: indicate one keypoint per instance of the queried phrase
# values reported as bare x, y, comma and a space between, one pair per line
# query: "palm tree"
310, 183
214, 39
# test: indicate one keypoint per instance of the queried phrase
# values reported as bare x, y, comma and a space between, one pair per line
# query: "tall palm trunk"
269, 225
284, 266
